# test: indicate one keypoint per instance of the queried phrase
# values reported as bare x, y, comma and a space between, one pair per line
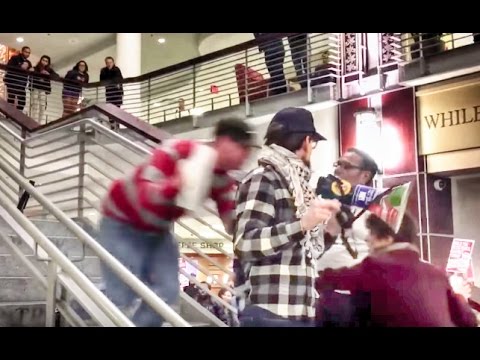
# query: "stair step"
21, 289
52, 227
11, 266
194, 324
22, 314
25, 289
70, 246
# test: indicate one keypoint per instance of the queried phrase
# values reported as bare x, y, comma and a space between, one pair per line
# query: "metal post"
81, 168
23, 149
341, 77
194, 86
247, 103
149, 98
309, 88
51, 294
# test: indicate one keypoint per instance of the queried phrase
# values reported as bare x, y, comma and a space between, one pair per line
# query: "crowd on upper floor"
17, 81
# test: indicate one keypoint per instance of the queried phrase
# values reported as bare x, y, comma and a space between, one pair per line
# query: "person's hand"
45, 72
320, 211
24, 65
461, 286
333, 227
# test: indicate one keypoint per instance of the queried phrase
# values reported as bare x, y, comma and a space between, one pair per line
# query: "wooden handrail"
18, 117
111, 111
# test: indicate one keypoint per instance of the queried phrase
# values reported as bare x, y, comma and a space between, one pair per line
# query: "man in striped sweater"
139, 211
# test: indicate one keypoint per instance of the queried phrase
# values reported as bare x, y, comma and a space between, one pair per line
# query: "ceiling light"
161, 41
20, 39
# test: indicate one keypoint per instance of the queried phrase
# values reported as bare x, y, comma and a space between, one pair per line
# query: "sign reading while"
449, 118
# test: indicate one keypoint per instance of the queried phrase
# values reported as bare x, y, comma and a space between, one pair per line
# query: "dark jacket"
17, 78
112, 76
72, 85
402, 290
272, 46
43, 83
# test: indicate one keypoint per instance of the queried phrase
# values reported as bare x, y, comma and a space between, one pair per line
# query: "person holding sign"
393, 287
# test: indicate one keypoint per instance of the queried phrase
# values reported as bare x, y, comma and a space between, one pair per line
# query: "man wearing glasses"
358, 168
338, 309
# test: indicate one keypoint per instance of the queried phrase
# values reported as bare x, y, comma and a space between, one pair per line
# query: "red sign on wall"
213, 89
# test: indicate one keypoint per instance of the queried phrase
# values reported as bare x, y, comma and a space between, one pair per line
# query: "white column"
129, 60
129, 54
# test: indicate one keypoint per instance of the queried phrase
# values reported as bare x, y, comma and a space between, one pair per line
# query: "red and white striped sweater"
146, 197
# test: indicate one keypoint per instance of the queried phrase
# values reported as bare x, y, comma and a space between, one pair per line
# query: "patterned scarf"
297, 175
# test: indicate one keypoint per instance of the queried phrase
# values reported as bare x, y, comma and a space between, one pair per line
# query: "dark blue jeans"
341, 310
151, 256
254, 316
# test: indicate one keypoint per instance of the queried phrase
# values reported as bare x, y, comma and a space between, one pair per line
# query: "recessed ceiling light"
20, 39
161, 41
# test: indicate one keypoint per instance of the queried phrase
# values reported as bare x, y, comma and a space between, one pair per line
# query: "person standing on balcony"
140, 209
72, 87
426, 44
299, 50
112, 76
280, 227
274, 57
16, 81
41, 87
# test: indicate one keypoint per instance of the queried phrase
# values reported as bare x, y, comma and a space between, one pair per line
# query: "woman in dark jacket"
224, 314
72, 87
41, 87
400, 289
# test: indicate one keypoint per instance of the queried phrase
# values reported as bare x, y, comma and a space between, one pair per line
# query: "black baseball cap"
297, 120
236, 129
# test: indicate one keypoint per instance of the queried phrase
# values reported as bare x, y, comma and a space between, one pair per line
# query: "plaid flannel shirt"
271, 262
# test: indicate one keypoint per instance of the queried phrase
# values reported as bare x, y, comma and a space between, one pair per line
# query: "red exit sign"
213, 89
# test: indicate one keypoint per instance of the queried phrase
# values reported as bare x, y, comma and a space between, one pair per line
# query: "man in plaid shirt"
280, 224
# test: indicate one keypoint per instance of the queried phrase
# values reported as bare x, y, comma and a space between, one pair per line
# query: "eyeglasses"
346, 165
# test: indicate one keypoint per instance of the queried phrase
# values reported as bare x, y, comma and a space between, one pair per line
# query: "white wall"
178, 48
466, 207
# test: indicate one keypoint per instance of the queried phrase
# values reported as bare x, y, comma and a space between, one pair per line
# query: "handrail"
111, 111
124, 274
412, 47
245, 75
166, 70
92, 123
105, 304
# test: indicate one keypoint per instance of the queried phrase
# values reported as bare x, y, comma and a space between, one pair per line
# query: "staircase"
22, 299
72, 166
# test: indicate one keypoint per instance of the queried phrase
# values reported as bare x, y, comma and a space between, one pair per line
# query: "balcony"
297, 69
291, 69
429, 57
